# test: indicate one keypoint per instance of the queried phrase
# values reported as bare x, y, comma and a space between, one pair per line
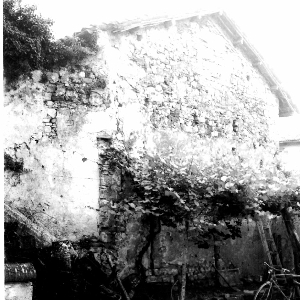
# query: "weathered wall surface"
187, 78
245, 253
190, 77
54, 135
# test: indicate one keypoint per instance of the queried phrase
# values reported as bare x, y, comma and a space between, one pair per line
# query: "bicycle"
272, 290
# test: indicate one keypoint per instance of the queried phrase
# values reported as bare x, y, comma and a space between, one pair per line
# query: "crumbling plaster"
58, 185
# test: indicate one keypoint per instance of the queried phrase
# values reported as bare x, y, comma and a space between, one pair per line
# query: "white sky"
271, 26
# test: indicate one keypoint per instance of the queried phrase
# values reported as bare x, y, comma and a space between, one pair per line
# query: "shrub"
70, 50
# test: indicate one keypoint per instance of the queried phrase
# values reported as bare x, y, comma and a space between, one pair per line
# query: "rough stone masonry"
185, 77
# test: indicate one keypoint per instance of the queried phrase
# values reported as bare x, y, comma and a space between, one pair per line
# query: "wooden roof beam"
239, 41
257, 64
274, 88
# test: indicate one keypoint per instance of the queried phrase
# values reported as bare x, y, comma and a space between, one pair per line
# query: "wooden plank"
274, 88
278, 261
261, 231
257, 63
238, 41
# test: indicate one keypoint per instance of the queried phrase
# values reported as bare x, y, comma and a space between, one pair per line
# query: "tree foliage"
27, 39
28, 42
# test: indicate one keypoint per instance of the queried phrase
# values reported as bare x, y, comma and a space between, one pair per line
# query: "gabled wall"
144, 86
190, 77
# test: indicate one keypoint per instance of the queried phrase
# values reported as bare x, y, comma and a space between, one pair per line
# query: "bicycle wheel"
269, 291
264, 292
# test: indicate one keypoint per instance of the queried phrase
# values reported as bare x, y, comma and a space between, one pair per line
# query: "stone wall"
52, 131
187, 78
190, 77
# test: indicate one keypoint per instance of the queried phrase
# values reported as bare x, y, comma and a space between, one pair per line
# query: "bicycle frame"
278, 288
272, 288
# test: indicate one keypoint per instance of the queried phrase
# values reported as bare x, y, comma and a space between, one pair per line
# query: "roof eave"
290, 142
286, 105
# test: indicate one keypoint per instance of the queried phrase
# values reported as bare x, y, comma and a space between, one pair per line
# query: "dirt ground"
169, 292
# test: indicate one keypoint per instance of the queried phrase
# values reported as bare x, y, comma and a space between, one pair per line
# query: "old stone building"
193, 74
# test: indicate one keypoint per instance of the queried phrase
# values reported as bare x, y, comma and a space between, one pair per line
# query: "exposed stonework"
46, 118
186, 78
190, 77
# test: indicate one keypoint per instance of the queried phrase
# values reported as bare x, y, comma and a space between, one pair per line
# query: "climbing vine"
203, 182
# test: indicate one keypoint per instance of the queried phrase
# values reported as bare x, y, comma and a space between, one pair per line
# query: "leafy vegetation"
28, 42
203, 187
